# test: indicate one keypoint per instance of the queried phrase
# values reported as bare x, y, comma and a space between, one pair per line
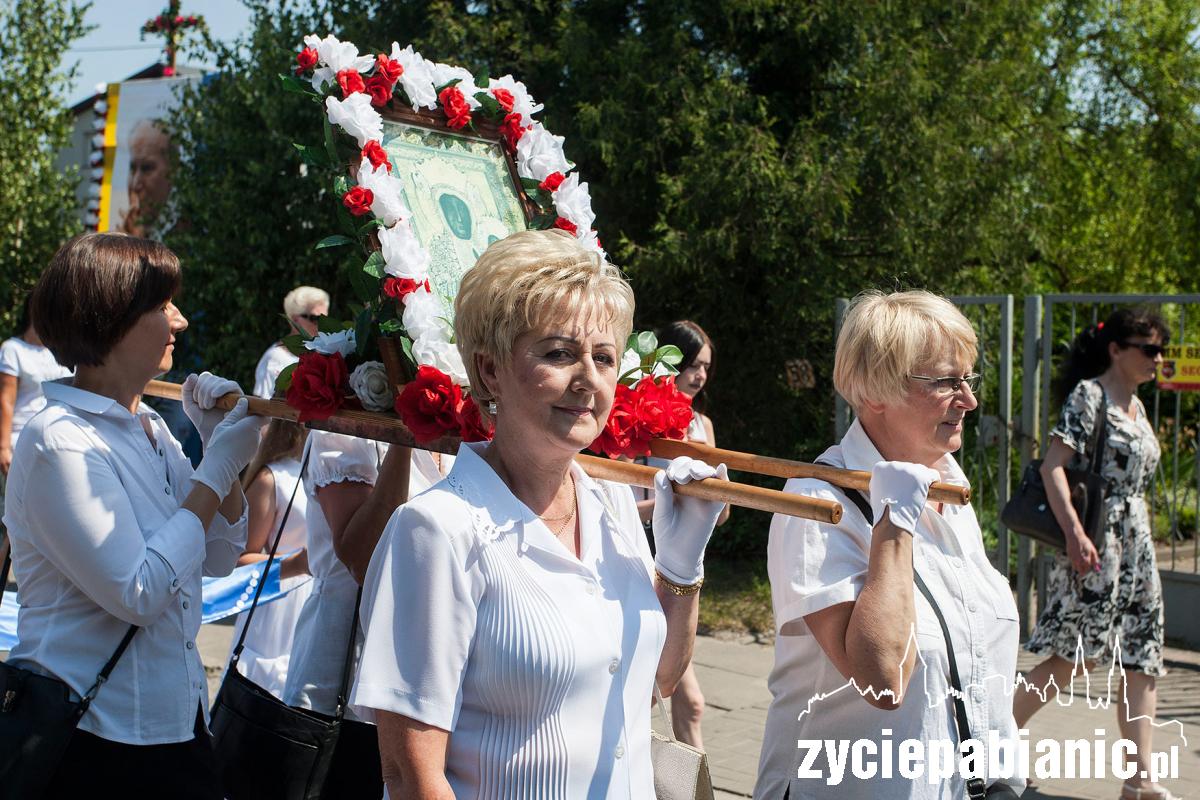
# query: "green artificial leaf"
370, 225
646, 344
341, 185
284, 381
668, 354
328, 324
390, 326
406, 346
631, 342
447, 85
345, 221
330, 144
530, 185
293, 84
295, 344
483, 78
363, 330
312, 156
374, 265
336, 240
365, 287
489, 104
542, 222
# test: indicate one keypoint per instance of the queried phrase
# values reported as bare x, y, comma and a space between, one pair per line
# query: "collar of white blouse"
510, 516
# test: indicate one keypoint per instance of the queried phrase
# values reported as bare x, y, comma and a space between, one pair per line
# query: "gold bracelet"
679, 589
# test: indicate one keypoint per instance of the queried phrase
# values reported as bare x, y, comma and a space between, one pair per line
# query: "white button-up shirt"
541, 665
813, 566
99, 542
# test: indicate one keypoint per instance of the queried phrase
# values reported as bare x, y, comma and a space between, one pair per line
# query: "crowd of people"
509, 620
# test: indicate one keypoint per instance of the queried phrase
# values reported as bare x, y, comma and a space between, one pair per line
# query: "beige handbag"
680, 770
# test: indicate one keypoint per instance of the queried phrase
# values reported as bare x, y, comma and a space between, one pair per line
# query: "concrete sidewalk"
733, 675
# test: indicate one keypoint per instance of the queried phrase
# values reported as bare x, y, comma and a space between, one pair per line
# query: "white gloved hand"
200, 395
234, 442
903, 488
683, 525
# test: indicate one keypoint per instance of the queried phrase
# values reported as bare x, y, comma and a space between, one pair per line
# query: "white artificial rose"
403, 255
369, 381
591, 241
631, 363
540, 154
573, 202
522, 101
329, 343
386, 203
443, 355
417, 78
355, 116
425, 317
333, 57
444, 73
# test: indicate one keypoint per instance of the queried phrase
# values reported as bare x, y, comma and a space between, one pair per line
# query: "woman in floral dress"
1101, 598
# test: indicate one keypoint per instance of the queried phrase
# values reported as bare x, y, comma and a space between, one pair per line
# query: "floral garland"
394, 282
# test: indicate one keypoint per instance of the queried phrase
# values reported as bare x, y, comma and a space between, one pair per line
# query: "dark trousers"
355, 772
95, 768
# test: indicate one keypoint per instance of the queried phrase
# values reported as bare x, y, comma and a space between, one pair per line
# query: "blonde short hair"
885, 336
529, 279
301, 300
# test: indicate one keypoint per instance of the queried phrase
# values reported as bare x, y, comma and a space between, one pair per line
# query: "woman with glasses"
303, 306
1099, 598
860, 653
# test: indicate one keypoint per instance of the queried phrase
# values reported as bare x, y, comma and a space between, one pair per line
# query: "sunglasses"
1148, 350
311, 317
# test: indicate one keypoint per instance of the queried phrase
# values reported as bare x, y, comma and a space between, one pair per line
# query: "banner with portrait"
135, 191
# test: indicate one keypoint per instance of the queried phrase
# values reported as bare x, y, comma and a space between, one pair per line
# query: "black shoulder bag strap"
976, 788
262, 581
1097, 464
108, 667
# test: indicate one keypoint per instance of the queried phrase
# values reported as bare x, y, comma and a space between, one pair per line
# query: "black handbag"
266, 749
38, 717
976, 788
1028, 511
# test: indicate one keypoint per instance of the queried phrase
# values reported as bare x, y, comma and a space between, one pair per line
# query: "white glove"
234, 442
902, 487
200, 393
683, 525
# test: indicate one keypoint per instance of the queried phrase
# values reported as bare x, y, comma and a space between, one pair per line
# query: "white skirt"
269, 643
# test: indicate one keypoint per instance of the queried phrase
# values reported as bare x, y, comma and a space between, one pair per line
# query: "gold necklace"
565, 519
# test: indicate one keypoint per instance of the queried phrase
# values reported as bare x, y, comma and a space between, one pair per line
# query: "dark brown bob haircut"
94, 291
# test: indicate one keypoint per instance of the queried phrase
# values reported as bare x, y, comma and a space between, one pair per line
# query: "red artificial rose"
458, 113
472, 426
566, 225
168, 71
179, 20
358, 200
399, 288
373, 152
614, 439
430, 405
307, 58
380, 90
552, 182
351, 82
505, 98
512, 131
663, 411
318, 385
389, 69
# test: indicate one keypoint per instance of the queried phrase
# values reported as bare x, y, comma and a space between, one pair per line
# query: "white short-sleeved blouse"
319, 645
813, 566
540, 665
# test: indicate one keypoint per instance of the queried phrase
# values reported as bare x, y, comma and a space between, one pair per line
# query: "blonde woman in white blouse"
515, 620
846, 609
112, 527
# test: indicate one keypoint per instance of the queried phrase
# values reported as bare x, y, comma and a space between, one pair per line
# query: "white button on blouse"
98, 545
477, 622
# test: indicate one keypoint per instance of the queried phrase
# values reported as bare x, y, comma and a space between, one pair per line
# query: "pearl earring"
491, 408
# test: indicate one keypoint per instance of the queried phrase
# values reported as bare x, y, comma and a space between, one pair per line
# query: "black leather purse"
266, 749
38, 717
1028, 511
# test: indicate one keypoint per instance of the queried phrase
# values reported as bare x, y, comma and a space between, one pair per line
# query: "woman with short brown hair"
112, 528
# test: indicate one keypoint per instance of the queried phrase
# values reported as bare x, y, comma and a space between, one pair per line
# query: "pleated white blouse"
541, 665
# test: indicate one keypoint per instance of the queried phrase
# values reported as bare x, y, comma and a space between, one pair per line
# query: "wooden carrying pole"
369, 425
939, 492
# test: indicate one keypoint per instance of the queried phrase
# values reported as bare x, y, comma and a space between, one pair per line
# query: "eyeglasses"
951, 383
311, 317
1149, 350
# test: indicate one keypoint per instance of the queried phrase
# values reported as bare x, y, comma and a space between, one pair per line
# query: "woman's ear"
1113, 349
488, 371
872, 407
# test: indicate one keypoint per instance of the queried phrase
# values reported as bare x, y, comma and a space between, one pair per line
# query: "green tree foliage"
752, 160
37, 200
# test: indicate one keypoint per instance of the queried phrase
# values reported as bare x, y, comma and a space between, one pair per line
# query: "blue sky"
114, 50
